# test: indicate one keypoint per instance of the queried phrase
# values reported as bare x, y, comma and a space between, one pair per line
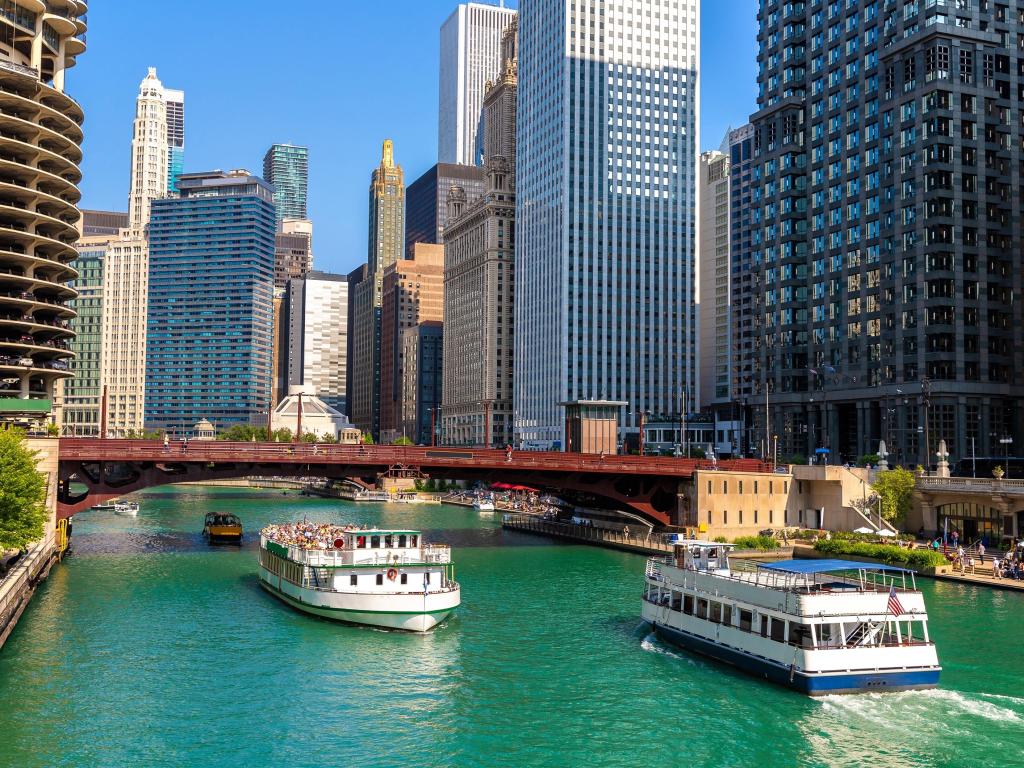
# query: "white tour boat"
483, 504
127, 508
385, 578
819, 626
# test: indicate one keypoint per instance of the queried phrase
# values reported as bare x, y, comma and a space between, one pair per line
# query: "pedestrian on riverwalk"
184, 444
981, 552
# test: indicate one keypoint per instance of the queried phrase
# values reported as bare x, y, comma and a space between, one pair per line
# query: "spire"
388, 158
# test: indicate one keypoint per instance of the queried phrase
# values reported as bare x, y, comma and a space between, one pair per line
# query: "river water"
148, 647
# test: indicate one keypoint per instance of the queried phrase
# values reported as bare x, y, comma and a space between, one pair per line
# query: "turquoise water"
147, 647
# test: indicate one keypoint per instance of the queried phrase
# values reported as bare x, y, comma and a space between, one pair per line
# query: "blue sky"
339, 83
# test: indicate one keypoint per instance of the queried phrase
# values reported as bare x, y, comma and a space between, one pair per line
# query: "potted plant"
997, 473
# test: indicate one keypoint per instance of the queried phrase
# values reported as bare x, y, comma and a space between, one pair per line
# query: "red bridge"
645, 485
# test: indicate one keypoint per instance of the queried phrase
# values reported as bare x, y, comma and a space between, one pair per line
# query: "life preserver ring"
392, 574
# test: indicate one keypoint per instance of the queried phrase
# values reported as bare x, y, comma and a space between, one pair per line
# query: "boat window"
825, 634
405, 578
375, 542
677, 601
778, 630
426, 577
360, 542
402, 541
389, 541
413, 540
727, 614
688, 605
764, 626
716, 613
746, 619
799, 635
702, 608
353, 580
380, 579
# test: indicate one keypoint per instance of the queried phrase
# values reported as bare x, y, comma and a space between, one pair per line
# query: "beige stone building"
412, 293
713, 294
479, 280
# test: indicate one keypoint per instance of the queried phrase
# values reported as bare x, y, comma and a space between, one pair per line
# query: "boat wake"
651, 644
894, 708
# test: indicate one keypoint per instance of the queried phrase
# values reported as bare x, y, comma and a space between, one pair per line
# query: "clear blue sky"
339, 83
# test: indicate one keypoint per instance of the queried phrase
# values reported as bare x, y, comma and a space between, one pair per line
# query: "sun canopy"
809, 567
863, 529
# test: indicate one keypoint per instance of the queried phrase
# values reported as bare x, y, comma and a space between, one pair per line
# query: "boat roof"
702, 543
810, 567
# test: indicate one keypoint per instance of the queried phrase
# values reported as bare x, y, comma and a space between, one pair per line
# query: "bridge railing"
95, 449
970, 484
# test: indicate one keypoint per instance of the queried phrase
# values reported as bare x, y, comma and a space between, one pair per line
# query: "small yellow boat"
221, 527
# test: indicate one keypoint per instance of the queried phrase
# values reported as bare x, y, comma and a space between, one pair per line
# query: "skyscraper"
286, 166
470, 56
211, 276
412, 292
713, 292
421, 380
893, 253
175, 107
426, 201
318, 335
126, 266
293, 256
606, 142
479, 245
386, 243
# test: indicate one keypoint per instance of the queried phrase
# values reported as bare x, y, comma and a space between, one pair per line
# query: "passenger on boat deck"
307, 535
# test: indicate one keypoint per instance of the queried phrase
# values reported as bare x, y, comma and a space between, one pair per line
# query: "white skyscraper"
606, 195
470, 57
317, 339
149, 150
126, 266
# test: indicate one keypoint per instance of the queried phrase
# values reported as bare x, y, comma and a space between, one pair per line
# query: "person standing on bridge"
184, 444
508, 453
167, 442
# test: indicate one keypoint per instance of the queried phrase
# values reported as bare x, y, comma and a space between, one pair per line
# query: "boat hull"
812, 684
357, 608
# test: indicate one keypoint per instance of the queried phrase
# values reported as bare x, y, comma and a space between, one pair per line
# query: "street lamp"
1005, 441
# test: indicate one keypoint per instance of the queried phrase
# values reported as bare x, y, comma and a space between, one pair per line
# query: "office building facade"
479, 281
286, 166
174, 105
81, 395
888, 142
386, 246
470, 56
412, 292
40, 142
318, 336
293, 251
420, 391
208, 350
714, 299
426, 201
607, 119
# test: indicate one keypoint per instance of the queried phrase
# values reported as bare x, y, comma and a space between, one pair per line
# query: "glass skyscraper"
287, 168
210, 314
606, 126
175, 103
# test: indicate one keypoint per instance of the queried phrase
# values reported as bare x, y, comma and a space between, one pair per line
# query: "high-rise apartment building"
470, 56
412, 292
479, 244
386, 244
318, 336
211, 278
81, 395
606, 125
888, 142
426, 201
175, 107
293, 250
40, 147
713, 295
420, 393
286, 166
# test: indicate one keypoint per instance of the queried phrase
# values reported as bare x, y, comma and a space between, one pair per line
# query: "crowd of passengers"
307, 535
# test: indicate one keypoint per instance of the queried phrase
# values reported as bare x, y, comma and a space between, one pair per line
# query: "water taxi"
819, 626
221, 527
127, 508
383, 578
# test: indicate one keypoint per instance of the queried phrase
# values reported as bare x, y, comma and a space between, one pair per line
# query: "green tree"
403, 440
367, 438
240, 433
22, 493
896, 488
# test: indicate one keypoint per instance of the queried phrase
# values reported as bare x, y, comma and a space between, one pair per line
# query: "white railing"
972, 484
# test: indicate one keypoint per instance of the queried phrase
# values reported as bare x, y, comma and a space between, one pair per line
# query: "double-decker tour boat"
384, 578
819, 626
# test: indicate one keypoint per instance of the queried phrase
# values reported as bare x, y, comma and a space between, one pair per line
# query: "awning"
809, 567
507, 487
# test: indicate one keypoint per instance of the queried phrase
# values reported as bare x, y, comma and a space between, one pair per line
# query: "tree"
403, 440
896, 488
367, 438
243, 433
22, 493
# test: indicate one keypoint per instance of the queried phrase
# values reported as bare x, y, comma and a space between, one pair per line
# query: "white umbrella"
886, 532
863, 529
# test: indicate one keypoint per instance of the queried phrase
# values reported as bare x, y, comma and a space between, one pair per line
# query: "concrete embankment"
20, 582
648, 544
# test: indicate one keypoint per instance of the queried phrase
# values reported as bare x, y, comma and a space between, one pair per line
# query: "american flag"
895, 608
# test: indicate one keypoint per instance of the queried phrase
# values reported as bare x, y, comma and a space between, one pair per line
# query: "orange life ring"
392, 574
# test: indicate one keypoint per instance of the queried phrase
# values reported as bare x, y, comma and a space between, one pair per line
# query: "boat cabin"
698, 555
